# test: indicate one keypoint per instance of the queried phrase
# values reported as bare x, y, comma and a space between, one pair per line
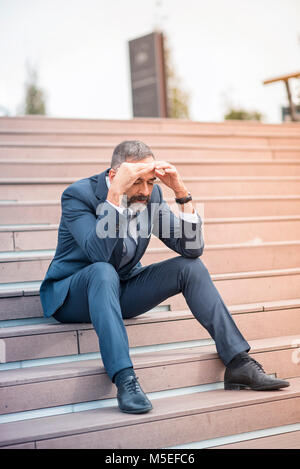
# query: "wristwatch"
184, 200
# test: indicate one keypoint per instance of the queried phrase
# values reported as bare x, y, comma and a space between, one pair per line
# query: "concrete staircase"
54, 392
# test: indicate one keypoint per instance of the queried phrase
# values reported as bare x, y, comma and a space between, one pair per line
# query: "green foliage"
34, 96
177, 98
241, 114
178, 103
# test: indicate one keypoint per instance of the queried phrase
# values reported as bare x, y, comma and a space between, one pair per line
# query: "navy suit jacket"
79, 245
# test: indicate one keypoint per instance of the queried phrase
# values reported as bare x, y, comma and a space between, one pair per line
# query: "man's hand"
125, 177
169, 175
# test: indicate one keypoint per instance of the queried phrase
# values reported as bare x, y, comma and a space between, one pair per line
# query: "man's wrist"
180, 194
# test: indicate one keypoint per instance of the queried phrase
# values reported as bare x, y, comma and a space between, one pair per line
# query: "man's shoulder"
81, 188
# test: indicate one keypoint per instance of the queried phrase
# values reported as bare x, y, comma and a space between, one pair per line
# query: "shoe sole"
137, 411
238, 387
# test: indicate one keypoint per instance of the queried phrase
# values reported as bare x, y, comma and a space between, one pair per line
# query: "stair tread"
202, 161
32, 287
170, 144
149, 359
15, 202
51, 327
289, 440
164, 408
15, 256
70, 179
54, 226
149, 317
190, 132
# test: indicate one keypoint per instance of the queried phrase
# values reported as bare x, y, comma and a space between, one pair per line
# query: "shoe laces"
256, 364
132, 385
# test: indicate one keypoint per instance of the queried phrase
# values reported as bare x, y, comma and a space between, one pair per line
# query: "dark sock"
238, 360
122, 374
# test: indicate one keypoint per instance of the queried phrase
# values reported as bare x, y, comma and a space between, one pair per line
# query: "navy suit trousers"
98, 295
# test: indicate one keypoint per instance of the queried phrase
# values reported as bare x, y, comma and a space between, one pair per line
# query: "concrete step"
21, 300
238, 257
161, 151
142, 125
31, 211
151, 138
49, 211
49, 338
290, 440
52, 188
19, 266
82, 138
50, 167
173, 421
253, 230
238, 186
235, 288
84, 381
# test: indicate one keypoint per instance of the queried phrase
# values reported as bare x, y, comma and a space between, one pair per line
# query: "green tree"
177, 98
34, 96
241, 114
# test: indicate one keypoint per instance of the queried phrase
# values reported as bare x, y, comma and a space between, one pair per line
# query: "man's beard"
136, 203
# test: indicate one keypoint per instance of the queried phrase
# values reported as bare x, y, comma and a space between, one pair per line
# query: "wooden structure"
285, 79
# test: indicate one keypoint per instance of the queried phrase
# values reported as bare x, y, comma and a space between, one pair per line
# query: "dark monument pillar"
148, 81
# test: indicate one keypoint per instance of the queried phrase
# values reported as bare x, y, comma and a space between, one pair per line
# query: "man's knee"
193, 266
103, 272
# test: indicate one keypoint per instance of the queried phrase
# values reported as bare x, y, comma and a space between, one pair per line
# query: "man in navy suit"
96, 275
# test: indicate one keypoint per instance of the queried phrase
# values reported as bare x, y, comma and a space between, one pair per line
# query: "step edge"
181, 146
69, 179
175, 161
32, 291
206, 353
45, 254
124, 420
54, 226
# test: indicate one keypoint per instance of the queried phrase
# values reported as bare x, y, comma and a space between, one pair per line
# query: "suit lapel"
101, 191
101, 186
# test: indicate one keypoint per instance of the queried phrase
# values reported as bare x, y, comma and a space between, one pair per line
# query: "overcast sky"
222, 50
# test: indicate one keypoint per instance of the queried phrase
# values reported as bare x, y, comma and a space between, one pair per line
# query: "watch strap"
184, 200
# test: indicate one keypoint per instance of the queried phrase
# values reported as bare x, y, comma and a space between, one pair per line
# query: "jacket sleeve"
181, 236
97, 233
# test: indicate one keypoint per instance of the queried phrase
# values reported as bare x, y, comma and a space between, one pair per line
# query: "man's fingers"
136, 166
146, 169
164, 165
143, 172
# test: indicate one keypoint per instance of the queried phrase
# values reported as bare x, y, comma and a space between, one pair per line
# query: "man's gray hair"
133, 150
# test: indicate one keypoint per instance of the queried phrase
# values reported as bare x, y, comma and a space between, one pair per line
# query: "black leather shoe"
131, 398
251, 375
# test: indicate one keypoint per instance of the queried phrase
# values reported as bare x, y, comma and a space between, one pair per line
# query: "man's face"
141, 190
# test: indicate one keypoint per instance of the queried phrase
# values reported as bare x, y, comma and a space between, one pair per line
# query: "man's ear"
111, 174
